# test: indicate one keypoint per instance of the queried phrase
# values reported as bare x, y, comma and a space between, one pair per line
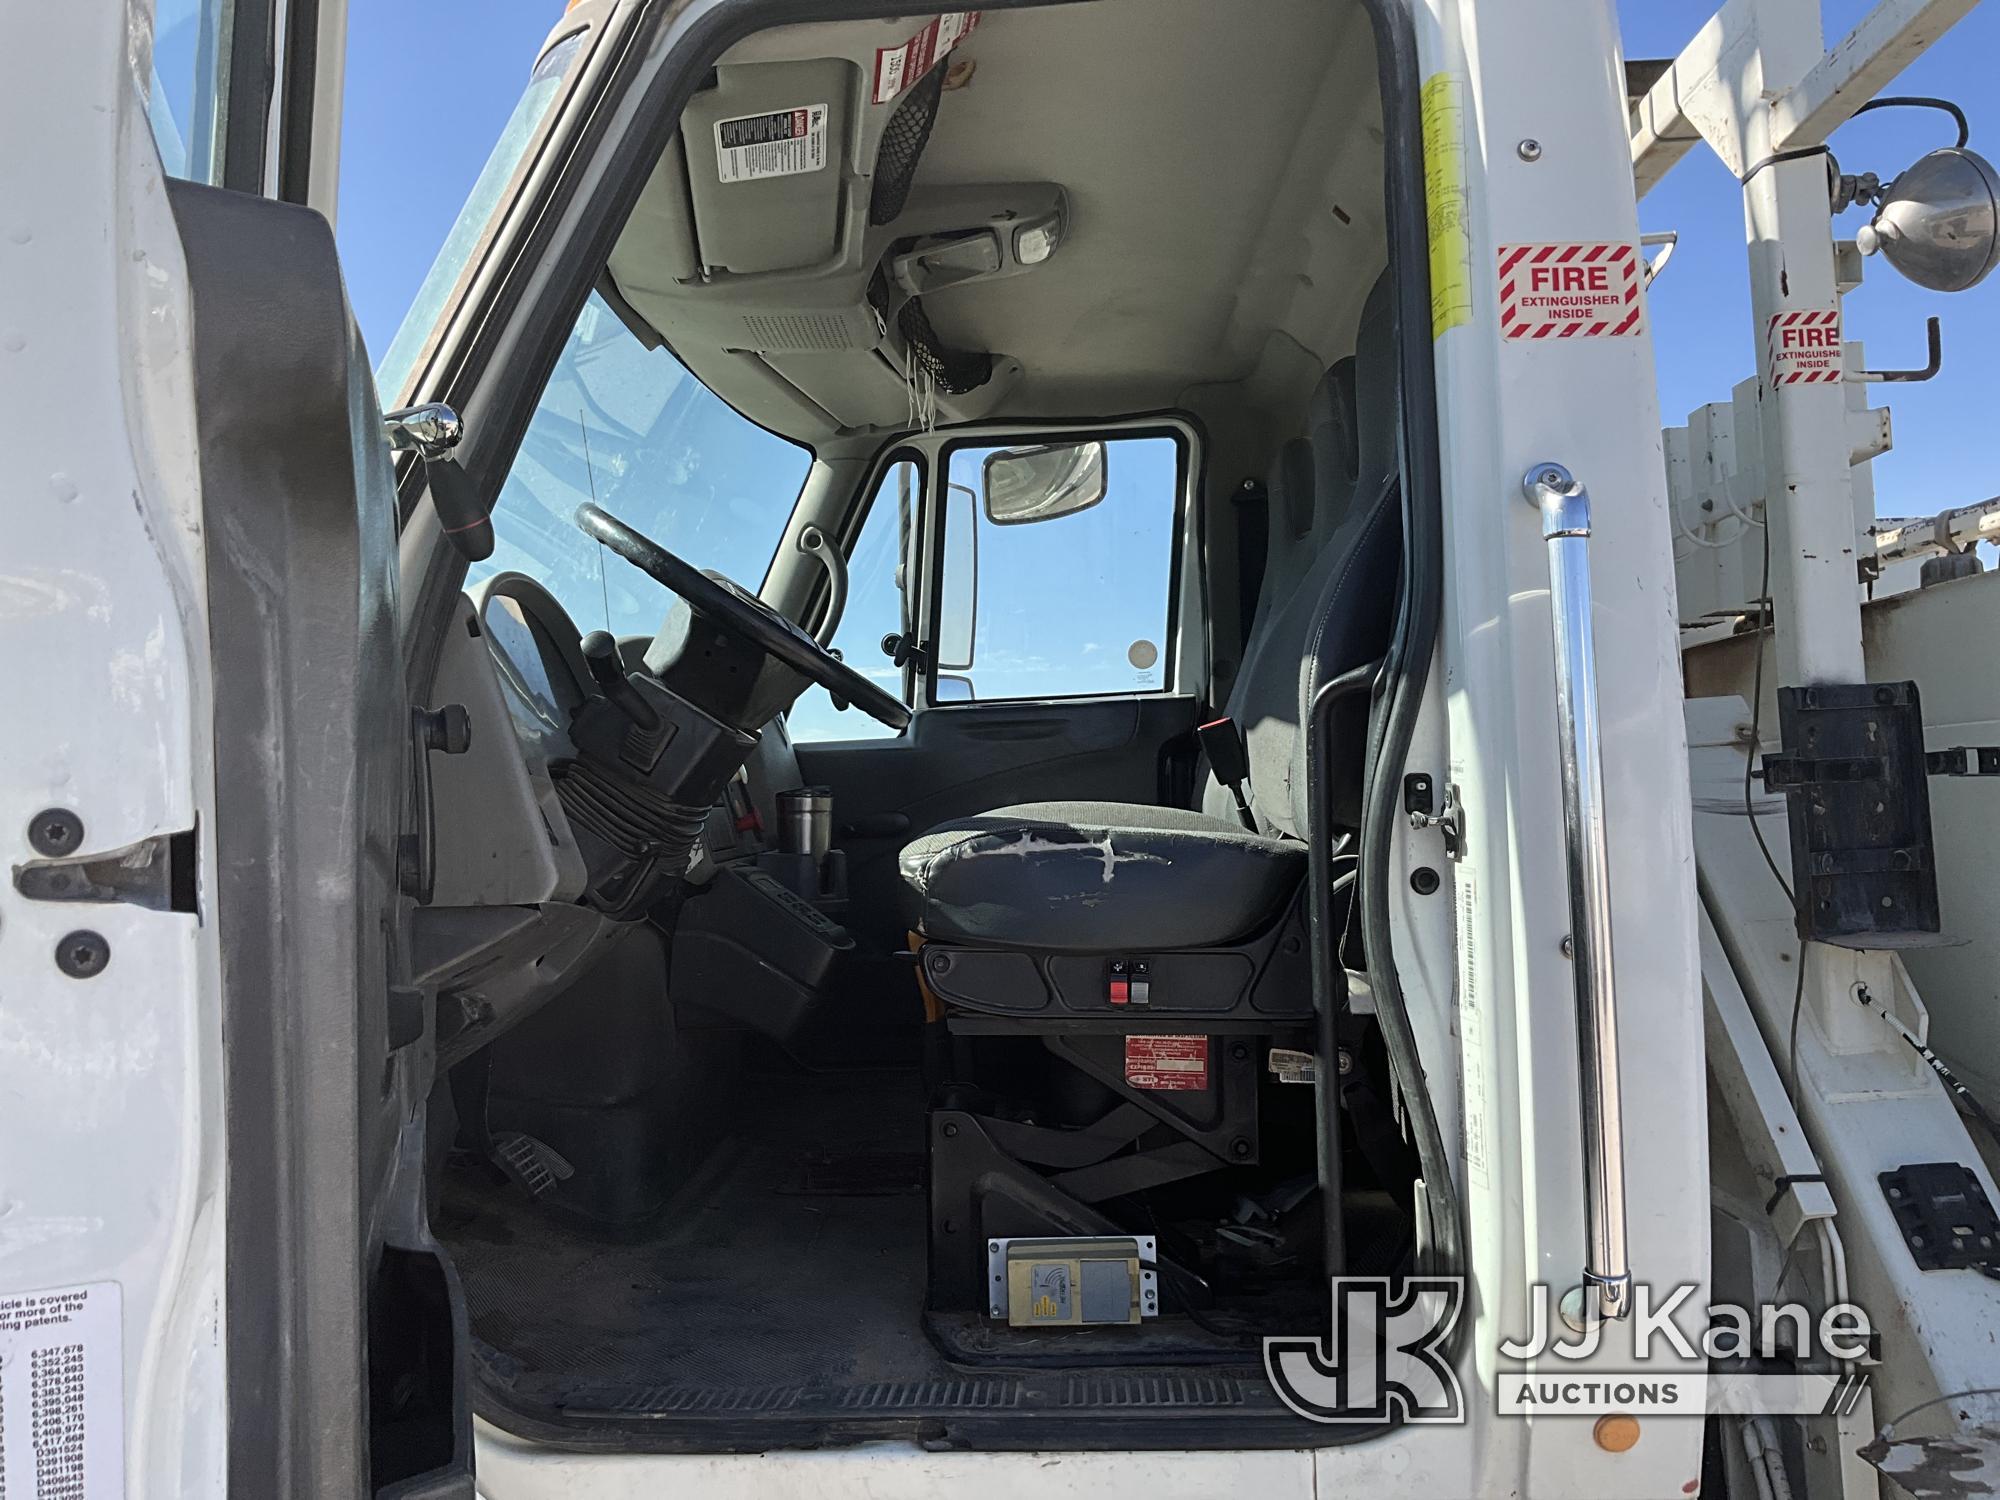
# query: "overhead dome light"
943, 262
1036, 241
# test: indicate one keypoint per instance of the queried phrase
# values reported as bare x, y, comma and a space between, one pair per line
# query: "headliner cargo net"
903, 145
952, 371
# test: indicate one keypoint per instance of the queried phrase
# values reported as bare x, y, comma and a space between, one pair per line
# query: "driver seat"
1111, 877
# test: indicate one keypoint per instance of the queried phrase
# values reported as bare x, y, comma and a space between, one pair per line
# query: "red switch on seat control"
1130, 982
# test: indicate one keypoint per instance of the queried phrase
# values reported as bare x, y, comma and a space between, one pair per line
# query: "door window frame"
1184, 563
867, 493
915, 581
266, 108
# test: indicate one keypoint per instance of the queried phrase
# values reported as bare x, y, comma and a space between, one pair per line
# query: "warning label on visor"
781, 144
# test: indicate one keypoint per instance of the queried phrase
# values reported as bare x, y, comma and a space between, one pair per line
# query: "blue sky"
1947, 449
416, 134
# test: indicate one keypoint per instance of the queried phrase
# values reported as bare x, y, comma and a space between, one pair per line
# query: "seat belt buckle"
1229, 760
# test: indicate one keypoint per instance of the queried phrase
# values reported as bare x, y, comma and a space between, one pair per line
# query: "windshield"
544, 83
629, 428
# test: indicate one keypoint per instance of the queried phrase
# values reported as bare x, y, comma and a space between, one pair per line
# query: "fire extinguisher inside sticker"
1571, 291
783, 143
1805, 347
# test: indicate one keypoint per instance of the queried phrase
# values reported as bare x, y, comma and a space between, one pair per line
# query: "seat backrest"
1328, 602
1287, 546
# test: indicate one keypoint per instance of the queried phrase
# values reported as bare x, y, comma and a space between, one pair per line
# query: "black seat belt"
1229, 762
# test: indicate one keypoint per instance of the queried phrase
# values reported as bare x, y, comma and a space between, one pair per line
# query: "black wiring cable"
1922, 101
1887, 101
1769, 621
1963, 1097
1763, 602
1797, 153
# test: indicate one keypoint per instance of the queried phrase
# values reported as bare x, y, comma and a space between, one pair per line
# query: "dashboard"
553, 833
508, 924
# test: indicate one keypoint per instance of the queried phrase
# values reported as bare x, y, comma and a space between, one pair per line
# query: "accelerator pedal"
533, 1166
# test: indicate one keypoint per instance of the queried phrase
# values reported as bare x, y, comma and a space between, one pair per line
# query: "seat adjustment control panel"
1129, 981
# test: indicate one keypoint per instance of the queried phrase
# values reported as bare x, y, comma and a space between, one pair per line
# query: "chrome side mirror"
1043, 482
431, 432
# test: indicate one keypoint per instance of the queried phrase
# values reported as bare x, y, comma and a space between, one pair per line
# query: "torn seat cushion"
1098, 877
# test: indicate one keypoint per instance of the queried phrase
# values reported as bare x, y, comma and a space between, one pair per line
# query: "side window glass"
190, 51
875, 608
1058, 570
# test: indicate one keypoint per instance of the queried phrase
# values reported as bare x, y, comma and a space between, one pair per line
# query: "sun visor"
786, 239
769, 154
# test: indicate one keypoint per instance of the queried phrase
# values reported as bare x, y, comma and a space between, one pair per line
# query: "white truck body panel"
111, 1165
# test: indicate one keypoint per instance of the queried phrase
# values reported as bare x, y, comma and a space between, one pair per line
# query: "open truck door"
218, 1273
320, 852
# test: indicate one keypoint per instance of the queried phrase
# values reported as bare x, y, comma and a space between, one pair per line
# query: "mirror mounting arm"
902, 650
431, 432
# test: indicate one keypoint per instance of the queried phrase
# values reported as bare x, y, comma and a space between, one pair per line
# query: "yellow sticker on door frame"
1443, 111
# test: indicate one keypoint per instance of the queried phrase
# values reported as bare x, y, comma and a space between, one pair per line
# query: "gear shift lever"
600, 654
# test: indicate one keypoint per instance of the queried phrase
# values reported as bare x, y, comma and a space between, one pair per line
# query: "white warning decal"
896, 68
1570, 291
1805, 347
783, 143
1473, 1039
62, 1394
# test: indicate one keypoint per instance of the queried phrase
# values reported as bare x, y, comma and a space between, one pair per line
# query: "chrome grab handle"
816, 543
1565, 512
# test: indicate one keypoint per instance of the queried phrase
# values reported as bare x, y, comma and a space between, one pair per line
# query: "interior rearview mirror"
1042, 482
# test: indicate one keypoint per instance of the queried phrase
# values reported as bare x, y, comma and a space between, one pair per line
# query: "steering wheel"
744, 614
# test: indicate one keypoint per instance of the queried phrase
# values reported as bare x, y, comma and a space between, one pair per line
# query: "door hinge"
156, 873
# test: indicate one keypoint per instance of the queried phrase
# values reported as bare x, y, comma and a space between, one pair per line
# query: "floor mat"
797, 1258
779, 1301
